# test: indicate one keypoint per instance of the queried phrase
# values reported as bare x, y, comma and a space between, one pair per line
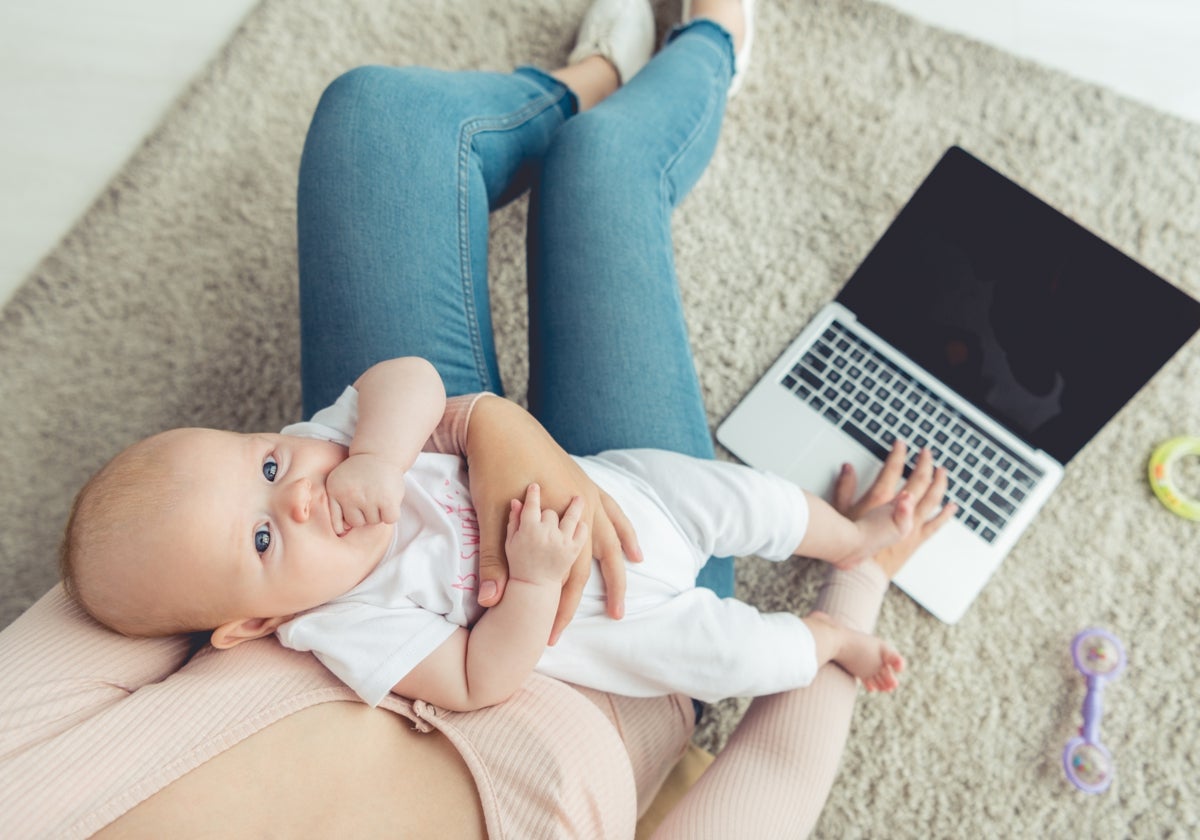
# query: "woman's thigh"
610, 360
400, 169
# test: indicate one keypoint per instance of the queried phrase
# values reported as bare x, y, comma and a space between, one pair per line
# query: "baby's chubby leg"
845, 542
867, 657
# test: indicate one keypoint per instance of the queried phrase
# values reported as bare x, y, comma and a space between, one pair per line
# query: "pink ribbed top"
94, 723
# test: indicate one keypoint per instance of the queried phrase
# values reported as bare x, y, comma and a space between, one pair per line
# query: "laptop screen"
1038, 322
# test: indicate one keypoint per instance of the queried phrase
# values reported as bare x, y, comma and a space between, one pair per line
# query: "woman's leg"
775, 773
610, 362
400, 169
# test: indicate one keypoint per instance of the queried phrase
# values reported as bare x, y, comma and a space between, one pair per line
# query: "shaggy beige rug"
173, 302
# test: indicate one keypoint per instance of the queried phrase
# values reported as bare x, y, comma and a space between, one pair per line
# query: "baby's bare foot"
882, 526
867, 657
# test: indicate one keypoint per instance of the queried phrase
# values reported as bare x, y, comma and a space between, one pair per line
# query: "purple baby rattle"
1099, 657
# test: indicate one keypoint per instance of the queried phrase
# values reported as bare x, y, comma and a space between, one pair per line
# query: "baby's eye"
270, 468
262, 538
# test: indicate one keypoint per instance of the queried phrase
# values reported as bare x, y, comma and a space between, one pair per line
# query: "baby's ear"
243, 630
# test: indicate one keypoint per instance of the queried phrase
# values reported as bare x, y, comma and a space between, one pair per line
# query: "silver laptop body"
986, 326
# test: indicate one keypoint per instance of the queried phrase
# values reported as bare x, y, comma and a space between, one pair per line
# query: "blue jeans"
400, 170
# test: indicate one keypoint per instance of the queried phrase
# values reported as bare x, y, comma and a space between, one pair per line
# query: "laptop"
986, 326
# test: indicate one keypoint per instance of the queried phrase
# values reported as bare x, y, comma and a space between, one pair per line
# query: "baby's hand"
540, 547
364, 490
879, 528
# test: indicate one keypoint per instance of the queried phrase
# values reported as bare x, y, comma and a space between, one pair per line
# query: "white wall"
83, 81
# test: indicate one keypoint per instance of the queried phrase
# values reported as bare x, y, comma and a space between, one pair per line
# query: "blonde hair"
105, 542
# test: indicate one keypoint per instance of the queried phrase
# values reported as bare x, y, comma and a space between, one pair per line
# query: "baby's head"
197, 529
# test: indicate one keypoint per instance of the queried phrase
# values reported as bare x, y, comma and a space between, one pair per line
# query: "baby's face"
254, 531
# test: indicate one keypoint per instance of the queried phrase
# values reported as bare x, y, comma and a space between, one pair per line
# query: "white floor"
83, 82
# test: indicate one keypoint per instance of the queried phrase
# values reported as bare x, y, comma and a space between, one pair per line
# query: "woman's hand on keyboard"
926, 484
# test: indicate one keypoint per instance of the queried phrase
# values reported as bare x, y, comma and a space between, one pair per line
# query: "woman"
141, 738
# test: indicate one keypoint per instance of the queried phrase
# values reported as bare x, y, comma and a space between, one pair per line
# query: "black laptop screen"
1034, 319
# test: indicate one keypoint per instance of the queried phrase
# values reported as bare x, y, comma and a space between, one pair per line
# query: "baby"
342, 537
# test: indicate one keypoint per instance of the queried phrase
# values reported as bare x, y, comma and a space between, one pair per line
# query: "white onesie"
675, 636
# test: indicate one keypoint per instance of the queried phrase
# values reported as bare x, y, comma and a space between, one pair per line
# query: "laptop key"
987, 513
1002, 503
869, 443
811, 378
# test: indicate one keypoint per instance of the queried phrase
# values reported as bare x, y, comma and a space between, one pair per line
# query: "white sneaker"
620, 30
742, 60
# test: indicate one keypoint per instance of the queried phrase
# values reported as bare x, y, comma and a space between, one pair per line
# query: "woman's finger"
932, 526
934, 496
493, 573
921, 475
845, 488
883, 488
606, 547
621, 528
572, 593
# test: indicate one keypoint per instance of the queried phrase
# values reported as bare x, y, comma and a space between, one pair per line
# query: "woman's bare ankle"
592, 80
728, 13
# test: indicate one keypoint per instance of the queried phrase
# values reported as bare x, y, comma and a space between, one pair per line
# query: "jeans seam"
467, 134
665, 189
691, 138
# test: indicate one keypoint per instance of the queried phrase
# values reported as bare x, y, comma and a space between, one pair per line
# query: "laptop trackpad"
816, 469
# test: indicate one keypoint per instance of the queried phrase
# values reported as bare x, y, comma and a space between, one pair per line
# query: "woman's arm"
507, 450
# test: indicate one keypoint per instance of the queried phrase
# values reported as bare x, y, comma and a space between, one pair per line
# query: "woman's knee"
373, 118
593, 153
372, 95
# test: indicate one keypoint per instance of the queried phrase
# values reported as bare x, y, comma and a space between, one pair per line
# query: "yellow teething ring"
1160, 476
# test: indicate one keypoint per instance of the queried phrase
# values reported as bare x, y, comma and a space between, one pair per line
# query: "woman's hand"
925, 484
507, 450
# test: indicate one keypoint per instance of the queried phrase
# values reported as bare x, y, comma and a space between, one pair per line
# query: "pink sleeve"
450, 436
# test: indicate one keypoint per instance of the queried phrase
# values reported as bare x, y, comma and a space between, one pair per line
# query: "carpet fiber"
173, 302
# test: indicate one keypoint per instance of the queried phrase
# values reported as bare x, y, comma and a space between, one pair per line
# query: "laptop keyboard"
875, 402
